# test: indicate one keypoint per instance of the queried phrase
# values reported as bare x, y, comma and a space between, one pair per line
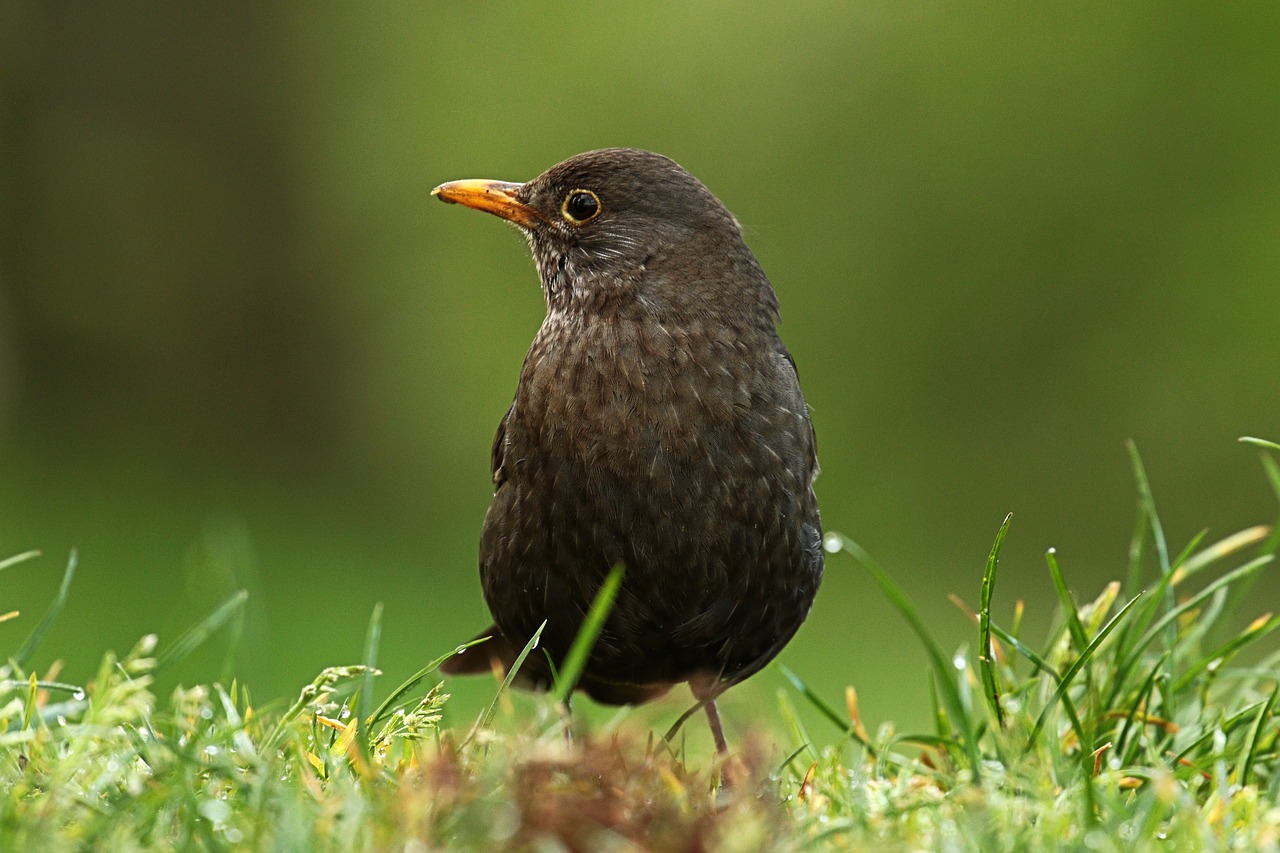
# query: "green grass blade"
1090, 805
1180, 561
1148, 503
1245, 768
235, 634
941, 725
1127, 658
42, 684
786, 762
1027, 652
18, 558
1187, 564
987, 652
1186, 756
1128, 636
1272, 469
1258, 442
1070, 610
1140, 697
29, 706
487, 717
1169, 619
1134, 581
364, 703
408, 684
926, 740
1242, 596
1069, 676
1044, 666
1185, 557
1204, 750
943, 670
791, 722
1248, 715
33, 640
845, 725
194, 636
821, 705
576, 660
1149, 507
1223, 548
1137, 554
1193, 634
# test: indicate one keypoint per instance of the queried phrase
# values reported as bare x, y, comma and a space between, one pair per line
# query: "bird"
657, 424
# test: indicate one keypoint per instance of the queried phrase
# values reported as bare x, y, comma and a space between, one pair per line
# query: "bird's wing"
499, 445
813, 436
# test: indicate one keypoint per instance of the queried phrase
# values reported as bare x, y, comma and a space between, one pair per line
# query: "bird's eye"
580, 206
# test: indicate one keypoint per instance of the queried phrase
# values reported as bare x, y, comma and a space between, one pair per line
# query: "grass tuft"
1144, 720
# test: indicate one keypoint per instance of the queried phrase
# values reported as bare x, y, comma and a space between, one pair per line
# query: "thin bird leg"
717, 731
706, 694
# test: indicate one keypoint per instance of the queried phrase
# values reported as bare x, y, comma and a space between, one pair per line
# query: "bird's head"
618, 229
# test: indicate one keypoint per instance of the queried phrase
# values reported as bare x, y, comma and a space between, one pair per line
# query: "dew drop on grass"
206, 713
959, 662
78, 695
831, 542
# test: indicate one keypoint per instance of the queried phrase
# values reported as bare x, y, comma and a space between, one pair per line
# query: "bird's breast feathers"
613, 392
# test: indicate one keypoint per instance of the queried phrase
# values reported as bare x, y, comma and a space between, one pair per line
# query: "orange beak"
496, 197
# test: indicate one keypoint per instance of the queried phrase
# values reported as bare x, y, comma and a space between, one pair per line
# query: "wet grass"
1145, 720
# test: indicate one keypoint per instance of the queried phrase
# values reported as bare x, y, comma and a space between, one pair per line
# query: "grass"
1145, 720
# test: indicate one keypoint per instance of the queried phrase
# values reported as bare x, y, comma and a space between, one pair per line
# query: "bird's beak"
496, 197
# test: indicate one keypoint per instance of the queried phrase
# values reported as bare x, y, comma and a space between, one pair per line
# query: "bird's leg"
717, 731
706, 693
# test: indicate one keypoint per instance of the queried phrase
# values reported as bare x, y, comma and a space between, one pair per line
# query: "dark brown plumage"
658, 423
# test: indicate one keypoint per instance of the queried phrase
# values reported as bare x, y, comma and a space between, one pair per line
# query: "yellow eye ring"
580, 206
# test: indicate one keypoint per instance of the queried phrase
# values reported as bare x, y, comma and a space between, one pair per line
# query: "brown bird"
658, 423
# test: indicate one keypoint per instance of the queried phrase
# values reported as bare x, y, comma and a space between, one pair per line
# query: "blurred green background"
241, 346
